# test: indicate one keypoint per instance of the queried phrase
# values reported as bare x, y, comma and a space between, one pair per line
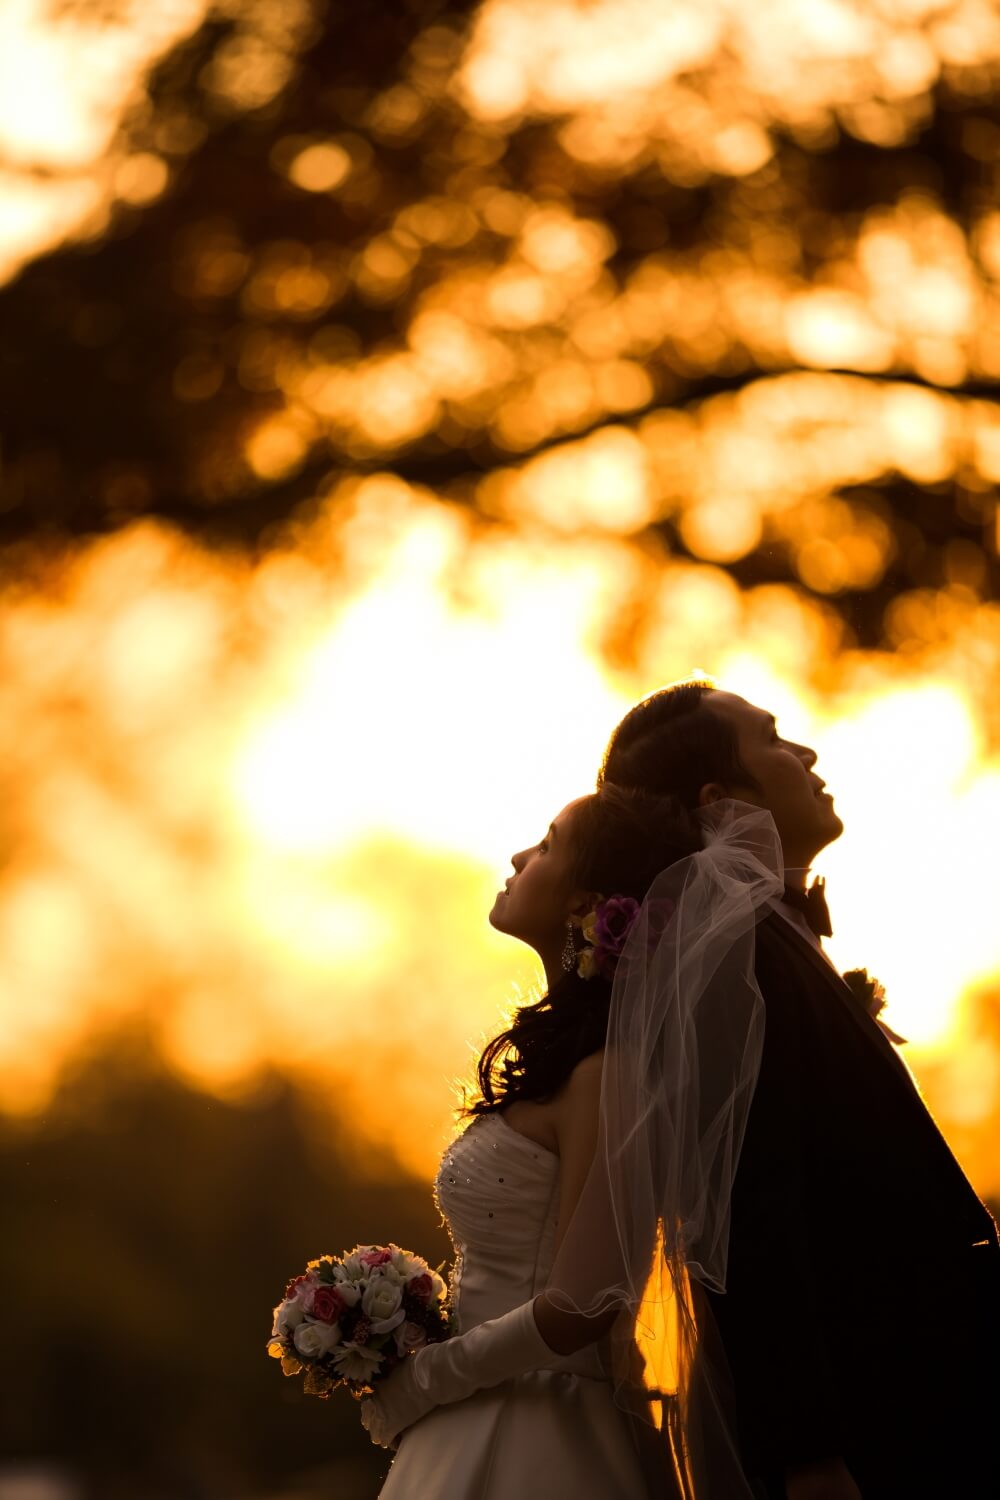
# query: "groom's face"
789, 788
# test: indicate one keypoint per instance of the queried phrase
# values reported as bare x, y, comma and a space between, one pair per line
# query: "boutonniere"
868, 991
870, 995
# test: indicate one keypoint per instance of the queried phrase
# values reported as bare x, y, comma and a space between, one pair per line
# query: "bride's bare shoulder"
570, 1112
586, 1076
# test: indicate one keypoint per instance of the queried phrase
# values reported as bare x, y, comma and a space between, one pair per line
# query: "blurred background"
390, 395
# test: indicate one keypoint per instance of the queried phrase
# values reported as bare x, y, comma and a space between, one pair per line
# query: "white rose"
386, 1325
438, 1288
410, 1336
381, 1300
313, 1340
348, 1293
288, 1316
391, 1274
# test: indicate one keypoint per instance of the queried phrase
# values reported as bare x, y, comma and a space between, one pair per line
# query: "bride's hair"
622, 839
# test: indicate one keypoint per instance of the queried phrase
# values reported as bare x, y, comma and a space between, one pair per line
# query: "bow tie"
812, 905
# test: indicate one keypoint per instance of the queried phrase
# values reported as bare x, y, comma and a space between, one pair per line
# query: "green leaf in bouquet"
290, 1365
317, 1383
326, 1275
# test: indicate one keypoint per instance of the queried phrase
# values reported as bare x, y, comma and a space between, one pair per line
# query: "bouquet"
349, 1320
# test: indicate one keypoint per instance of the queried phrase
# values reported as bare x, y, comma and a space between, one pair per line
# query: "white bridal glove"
441, 1373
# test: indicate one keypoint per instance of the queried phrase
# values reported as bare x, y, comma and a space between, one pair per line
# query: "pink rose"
375, 1258
327, 1304
293, 1286
421, 1286
410, 1336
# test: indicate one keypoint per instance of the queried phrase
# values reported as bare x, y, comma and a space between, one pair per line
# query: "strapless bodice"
498, 1193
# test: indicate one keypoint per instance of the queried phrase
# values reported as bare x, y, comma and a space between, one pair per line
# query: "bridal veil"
651, 1229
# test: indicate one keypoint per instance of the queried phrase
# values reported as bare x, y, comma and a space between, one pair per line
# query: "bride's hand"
388, 1412
374, 1422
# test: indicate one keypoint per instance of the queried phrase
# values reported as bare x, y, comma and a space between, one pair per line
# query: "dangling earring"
569, 950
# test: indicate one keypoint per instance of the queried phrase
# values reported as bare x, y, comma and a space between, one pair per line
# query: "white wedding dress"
546, 1434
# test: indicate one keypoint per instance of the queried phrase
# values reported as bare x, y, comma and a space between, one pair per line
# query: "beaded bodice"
498, 1192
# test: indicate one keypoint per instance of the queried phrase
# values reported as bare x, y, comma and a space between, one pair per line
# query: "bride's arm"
577, 1114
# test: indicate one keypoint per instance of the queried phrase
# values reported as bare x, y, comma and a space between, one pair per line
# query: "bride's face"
539, 896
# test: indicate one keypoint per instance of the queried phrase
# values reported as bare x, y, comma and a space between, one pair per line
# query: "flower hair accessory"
605, 931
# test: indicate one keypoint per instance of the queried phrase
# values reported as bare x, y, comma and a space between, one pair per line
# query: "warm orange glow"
278, 446
721, 530
267, 797
320, 167
63, 92
837, 328
305, 777
141, 177
600, 483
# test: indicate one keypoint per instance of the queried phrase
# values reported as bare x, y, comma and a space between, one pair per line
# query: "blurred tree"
723, 281
346, 238
151, 1229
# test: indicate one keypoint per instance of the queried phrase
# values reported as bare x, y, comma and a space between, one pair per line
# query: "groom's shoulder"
770, 934
779, 960
774, 933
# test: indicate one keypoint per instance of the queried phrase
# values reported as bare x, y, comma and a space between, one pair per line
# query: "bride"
562, 1201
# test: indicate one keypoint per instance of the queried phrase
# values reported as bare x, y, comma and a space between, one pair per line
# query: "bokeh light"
304, 779
388, 399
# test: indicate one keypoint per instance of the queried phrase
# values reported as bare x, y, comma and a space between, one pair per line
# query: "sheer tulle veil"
651, 1229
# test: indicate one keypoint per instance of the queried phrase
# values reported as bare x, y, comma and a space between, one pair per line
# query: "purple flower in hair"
614, 922
606, 930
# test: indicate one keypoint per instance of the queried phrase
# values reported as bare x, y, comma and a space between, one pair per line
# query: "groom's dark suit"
862, 1311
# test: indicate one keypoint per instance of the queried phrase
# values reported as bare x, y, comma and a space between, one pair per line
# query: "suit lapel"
865, 1023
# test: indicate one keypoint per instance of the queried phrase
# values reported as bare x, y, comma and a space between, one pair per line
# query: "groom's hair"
672, 745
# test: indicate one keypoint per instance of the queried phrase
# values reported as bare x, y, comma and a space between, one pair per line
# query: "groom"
861, 1319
